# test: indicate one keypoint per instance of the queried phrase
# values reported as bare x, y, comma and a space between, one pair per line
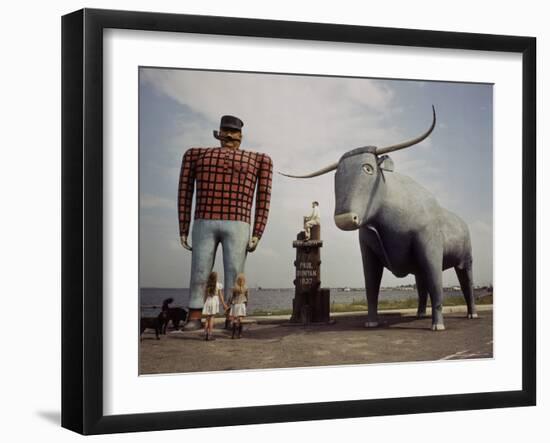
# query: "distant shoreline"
336, 288
361, 305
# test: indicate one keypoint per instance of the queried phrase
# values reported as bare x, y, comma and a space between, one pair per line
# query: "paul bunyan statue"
226, 179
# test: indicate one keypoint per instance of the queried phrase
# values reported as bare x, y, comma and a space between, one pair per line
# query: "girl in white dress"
239, 299
212, 297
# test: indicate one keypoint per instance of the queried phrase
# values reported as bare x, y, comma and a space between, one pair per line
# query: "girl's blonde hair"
211, 285
240, 284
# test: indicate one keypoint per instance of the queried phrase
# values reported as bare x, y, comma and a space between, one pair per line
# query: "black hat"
228, 121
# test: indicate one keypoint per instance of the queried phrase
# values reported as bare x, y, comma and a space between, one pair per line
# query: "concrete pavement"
270, 342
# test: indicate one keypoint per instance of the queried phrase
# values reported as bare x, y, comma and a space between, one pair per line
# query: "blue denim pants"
206, 236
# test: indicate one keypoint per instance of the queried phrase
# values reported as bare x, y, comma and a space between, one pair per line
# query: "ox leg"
435, 288
467, 285
430, 259
422, 296
372, 269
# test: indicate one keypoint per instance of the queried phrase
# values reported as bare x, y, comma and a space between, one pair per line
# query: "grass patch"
485, 300
348, 307
358, 305
263, 313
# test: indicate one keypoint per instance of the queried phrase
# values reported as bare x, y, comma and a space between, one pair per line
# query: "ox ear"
385, 163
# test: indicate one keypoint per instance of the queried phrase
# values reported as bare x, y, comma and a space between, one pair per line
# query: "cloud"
210, 92
281, 113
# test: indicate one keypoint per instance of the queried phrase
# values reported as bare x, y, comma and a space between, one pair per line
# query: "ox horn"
314, 174
408, 143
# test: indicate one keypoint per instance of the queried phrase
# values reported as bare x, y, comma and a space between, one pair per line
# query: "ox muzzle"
347, 221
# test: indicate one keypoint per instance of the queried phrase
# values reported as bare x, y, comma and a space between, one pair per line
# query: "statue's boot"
192, 325
240, 330
193, 320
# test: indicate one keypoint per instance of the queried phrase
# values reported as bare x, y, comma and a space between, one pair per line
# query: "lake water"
271, 299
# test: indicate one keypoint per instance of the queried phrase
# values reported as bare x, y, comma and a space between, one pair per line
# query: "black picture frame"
82, 218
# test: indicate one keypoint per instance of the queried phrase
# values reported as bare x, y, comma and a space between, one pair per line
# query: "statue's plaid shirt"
225, 180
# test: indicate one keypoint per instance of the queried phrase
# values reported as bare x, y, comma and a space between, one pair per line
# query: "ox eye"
368, 168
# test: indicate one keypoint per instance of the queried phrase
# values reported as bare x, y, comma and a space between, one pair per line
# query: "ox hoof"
421, 315
470, 316
438, 327
371, 324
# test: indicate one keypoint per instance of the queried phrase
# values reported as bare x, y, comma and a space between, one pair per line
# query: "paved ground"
273, 343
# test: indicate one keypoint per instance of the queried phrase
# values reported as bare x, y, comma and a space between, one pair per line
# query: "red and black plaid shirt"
225, 180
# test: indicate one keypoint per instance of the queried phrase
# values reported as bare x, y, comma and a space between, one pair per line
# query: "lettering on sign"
300, 273
307, 273
306, 269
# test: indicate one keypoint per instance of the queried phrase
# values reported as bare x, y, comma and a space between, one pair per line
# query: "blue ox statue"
401, 227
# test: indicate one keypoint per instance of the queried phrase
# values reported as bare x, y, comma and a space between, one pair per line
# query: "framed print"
282, 221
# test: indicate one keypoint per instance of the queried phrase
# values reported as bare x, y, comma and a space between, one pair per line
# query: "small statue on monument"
312, 220
311, 303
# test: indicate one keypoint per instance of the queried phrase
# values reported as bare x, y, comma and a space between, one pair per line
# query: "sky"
304, 123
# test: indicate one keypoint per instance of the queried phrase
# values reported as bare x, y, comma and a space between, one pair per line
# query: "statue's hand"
183, 241
252, 244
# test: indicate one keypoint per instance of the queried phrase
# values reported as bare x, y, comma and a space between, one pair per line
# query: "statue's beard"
227, 140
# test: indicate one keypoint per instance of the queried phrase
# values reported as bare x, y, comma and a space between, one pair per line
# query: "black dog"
155, 323
176, 315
